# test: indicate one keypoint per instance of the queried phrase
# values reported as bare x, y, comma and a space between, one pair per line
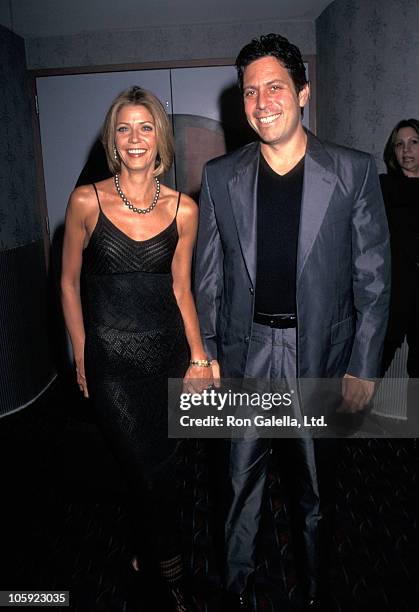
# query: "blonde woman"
130, 238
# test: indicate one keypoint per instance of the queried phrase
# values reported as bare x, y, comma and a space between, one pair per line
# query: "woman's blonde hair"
164, 136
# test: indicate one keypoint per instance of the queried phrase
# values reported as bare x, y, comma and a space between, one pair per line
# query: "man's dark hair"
277, 46
390, 159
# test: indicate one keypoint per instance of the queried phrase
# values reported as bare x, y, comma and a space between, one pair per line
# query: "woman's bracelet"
201, 363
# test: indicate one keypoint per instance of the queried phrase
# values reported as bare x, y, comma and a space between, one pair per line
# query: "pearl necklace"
141, 211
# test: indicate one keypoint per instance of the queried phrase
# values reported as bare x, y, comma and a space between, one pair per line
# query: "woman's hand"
81, 377
197, 379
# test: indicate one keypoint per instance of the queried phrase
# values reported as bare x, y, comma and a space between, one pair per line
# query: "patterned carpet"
64, 524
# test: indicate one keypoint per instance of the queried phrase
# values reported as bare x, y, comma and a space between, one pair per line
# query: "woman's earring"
115, 154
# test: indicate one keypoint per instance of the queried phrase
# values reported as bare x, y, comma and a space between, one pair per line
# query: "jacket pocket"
342, 331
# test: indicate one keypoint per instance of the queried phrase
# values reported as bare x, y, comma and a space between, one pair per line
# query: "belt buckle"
284, 321
276, 321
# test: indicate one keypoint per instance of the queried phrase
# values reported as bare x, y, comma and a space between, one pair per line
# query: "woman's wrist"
203, 362
198, 353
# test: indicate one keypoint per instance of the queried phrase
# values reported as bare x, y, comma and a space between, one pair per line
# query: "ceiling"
38, 18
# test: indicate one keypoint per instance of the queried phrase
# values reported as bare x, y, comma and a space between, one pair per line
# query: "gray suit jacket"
343, 262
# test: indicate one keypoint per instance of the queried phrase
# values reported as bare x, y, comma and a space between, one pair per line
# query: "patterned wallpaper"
19, 213
367, 71
158, 44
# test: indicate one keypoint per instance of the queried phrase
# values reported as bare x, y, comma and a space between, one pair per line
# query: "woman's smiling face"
135, 137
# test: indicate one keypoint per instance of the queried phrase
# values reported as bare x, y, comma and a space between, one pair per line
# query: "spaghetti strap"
97, 195
178, 202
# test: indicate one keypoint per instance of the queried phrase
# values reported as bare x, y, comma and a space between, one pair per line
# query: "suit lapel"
319, 184
242, 188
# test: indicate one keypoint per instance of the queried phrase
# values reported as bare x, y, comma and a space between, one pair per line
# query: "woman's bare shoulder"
82, 196
187, 206
187, 215
83, 200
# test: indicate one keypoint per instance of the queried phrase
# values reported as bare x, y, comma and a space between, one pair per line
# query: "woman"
400, 188
132, 238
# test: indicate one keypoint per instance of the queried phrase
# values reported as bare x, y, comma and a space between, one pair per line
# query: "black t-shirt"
278, 221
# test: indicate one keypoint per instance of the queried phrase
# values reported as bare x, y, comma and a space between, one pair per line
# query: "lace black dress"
135, 341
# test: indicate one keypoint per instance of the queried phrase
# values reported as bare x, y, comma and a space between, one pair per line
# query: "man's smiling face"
271, 103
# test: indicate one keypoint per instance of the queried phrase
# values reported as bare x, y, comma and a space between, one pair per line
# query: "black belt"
278, 321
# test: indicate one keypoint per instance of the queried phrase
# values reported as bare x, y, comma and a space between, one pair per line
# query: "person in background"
128, 242
400, 187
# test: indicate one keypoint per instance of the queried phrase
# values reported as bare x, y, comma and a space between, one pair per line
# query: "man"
292, 280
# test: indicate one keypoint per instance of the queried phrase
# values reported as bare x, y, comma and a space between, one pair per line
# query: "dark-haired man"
292, 280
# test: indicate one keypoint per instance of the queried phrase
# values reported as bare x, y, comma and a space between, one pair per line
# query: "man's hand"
356, 393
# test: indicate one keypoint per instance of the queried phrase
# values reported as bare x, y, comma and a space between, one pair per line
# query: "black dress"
135, 341
401, 197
